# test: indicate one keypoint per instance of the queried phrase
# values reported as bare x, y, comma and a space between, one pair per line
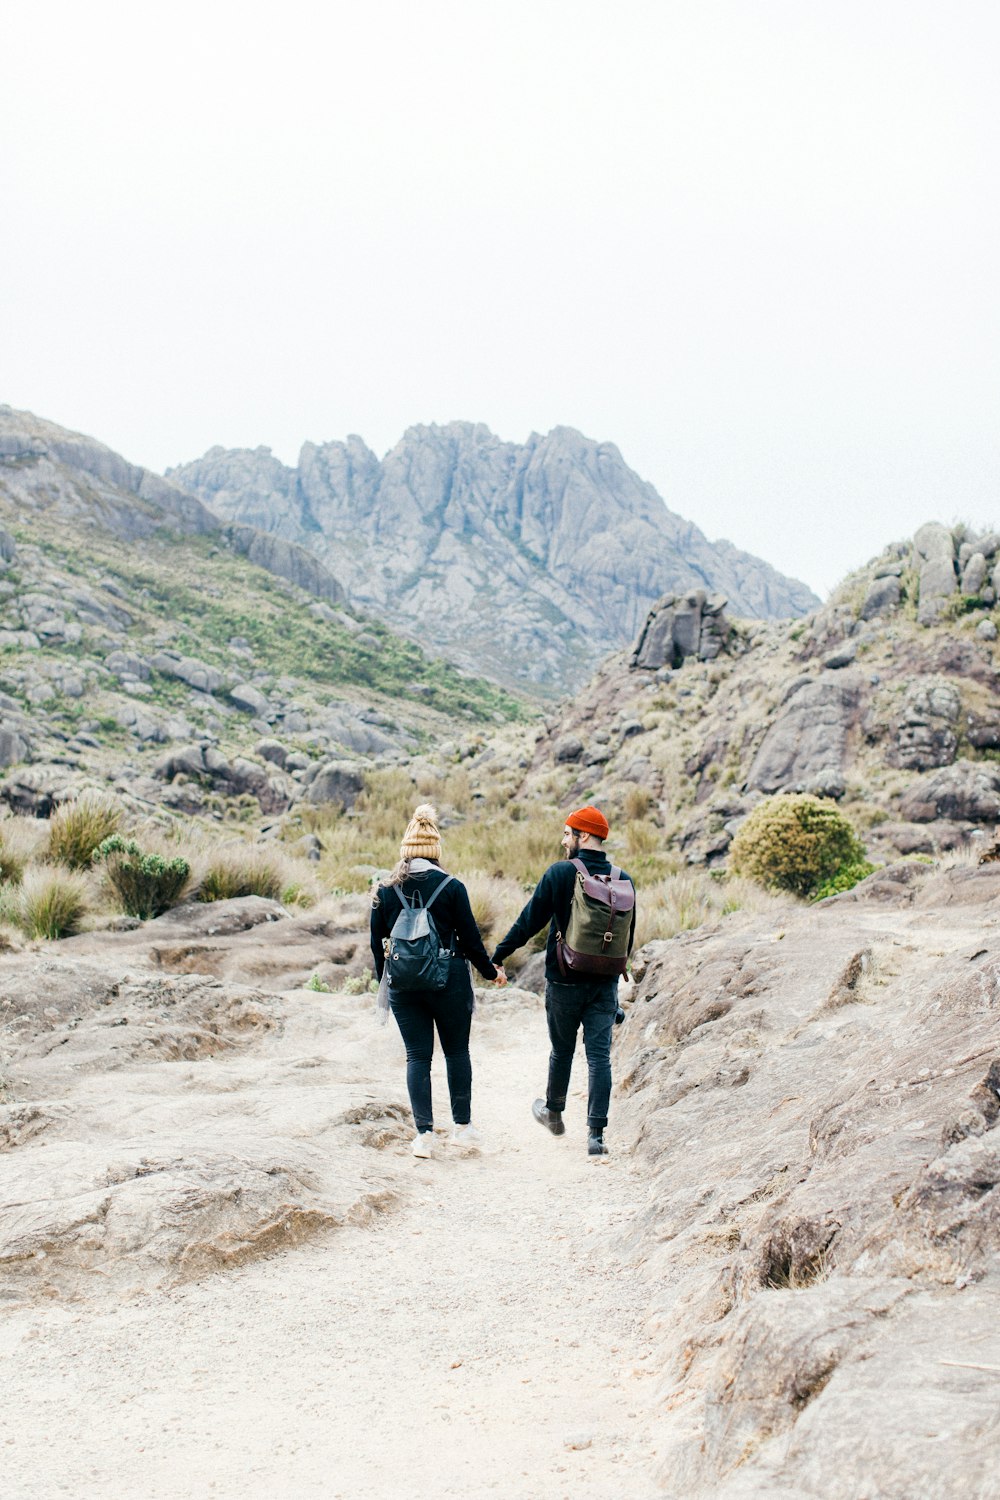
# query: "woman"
417, 1012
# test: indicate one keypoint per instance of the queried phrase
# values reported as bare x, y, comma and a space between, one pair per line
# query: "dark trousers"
417, 1013
591, 1005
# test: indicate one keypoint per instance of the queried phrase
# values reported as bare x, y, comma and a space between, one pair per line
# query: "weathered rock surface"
232, 1129
804, 749
558, 533
825, 1267
966, 790
926, 731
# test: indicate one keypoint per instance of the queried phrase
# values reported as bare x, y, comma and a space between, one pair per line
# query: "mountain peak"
457, 528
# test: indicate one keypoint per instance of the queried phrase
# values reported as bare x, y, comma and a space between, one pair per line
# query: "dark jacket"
451, 912
551, 903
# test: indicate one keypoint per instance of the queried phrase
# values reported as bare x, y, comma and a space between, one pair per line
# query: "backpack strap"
437, 892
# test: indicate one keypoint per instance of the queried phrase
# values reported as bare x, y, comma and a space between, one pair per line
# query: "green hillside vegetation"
208, 597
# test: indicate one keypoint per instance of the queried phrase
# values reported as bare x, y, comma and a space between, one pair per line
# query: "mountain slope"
142, 639
456, 532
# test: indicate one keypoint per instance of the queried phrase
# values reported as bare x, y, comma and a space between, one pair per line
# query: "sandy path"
482, 1338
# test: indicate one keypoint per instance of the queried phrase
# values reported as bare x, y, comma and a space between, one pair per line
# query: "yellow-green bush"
798, 843
77, 828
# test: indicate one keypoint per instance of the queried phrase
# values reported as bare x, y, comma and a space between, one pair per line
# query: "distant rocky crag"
887, 699
528, 561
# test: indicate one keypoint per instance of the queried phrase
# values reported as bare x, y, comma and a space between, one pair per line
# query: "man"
571, 1000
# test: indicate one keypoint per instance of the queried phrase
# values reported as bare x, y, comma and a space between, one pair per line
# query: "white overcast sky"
754, 243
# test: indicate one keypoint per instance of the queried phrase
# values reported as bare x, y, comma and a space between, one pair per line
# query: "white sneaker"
465, 1136
423, 1144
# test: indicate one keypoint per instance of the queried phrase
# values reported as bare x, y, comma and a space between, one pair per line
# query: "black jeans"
417, 1013
591, 1005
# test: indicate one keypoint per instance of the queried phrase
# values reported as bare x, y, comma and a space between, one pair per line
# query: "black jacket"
451, 912
551, 903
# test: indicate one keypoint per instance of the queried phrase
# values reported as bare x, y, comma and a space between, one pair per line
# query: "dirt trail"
482, 1337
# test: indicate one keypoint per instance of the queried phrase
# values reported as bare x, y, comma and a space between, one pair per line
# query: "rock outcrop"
859, 701
556, 534
694, 625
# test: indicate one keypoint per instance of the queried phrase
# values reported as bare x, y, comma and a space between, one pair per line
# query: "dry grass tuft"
50, 903
77, 828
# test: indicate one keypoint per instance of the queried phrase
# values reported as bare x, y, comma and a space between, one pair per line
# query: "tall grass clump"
145, 884
49, 903
801, 844
21, 843
77, 828
11, 863
244, 871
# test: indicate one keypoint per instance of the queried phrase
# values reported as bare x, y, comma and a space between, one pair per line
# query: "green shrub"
240, 872
844, 880
796, 843
78, 827
319, 985
49, 903
145, 884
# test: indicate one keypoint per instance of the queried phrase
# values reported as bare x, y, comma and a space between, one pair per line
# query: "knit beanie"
421, 839
588, 820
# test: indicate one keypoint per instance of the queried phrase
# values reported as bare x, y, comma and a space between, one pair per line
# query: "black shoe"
551, 1118
595, 1144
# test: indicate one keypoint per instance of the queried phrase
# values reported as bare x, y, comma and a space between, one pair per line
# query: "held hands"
501, 978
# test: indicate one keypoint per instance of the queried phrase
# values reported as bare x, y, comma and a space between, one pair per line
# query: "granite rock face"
804, 750
557, 535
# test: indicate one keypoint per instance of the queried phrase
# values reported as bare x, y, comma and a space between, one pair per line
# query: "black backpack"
416, 959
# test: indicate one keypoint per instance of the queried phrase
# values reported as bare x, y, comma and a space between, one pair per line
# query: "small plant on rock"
78, 827
801, 844
146, 885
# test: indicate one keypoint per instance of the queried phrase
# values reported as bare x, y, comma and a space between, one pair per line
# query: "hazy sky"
754, 244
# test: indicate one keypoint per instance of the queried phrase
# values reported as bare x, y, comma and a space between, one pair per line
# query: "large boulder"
968, 791
692, 624
14, 746
883, 595
934, 559
336, 781
804, 749
197, 674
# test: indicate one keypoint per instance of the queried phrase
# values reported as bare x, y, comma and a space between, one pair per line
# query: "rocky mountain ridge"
886, 699
455, 529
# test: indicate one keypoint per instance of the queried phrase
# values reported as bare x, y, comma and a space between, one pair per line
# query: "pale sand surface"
460, 1345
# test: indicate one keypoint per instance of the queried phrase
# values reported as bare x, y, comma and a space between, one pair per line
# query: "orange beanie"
589, 820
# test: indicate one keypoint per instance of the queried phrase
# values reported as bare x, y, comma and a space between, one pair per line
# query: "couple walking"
581, 989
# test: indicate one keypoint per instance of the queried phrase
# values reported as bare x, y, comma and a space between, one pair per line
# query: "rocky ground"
784, 1282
